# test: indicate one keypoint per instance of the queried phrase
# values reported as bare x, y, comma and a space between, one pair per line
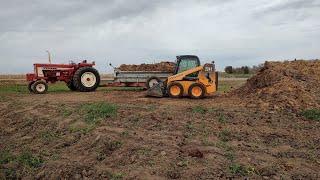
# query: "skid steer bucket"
156, 90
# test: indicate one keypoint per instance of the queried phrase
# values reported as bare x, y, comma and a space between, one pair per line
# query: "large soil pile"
162, 66
289, 85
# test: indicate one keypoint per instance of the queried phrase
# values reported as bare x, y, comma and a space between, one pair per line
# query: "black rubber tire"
152, 78
71, 86
197, 85
30, 86
175, 84
77, 79
34, 85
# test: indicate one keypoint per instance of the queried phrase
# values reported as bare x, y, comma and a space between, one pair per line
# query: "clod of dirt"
162, 66
195, 153
291, 86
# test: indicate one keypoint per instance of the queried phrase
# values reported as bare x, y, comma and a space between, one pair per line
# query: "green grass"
124, 134
3, 98
222, 118
6, 157
26, 159
234, 75
115, 176
226, 86
312, 114
224, 135
145, 151
73, 128
199, 109
114, 145
48, 136
95, 112
30, 160
239, 169
57, 87
13, 88
190, 130
65, 110
23, 88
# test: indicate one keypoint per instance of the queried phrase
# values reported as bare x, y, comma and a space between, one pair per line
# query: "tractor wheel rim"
196, 91
40, 87
88, 79
175, 90
153, 82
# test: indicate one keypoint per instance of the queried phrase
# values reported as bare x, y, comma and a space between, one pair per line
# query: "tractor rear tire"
71, 86
30, 86
152, 81
175, 90
86, 79
197, 91
39, 87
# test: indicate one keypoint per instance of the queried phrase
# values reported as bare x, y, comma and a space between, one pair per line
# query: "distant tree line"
242, 69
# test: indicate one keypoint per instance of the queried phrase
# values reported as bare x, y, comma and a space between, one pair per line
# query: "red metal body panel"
30, 77
56, 72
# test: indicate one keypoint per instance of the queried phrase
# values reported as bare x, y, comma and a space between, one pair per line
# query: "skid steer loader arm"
183, 74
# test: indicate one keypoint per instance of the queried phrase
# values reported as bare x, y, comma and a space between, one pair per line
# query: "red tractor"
82, 76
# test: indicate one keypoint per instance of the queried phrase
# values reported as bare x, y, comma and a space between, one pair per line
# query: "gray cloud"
122, 31
47, 15
295, 5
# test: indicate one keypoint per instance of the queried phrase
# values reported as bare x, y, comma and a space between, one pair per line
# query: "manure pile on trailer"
289, 85
162, 66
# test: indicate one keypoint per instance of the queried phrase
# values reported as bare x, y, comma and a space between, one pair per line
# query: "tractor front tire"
71, 86
197, 91
30, 86
39, 87
175, 90
86, 79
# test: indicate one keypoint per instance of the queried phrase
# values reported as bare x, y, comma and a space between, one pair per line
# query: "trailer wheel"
152, 81
30, 86
39, 87
71, 86
86, 79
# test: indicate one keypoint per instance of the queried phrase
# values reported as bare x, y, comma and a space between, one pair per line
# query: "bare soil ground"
121, 134
47, 136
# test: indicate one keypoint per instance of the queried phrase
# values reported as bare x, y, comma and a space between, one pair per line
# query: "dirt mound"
164, 66
289, 85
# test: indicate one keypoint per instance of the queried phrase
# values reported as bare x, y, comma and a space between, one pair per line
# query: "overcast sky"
231, 32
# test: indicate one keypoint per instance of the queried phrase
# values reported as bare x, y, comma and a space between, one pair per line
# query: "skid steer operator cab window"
187, 62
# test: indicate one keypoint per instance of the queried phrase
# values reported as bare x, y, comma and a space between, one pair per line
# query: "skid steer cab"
78, 77
190, 79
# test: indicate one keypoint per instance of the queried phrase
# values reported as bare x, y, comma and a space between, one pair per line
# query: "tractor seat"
187, 78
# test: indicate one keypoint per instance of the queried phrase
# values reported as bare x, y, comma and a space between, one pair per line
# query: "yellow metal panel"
181, 75
210, 86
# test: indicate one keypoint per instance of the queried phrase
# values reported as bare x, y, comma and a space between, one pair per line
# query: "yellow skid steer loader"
190, 79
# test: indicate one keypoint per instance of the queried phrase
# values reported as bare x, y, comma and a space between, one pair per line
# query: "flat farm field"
118, 133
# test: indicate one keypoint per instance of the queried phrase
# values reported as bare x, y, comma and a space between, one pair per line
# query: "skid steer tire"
71, 86
86, 79
175, 90
152, 81
197, 91
30, 86
39, 87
